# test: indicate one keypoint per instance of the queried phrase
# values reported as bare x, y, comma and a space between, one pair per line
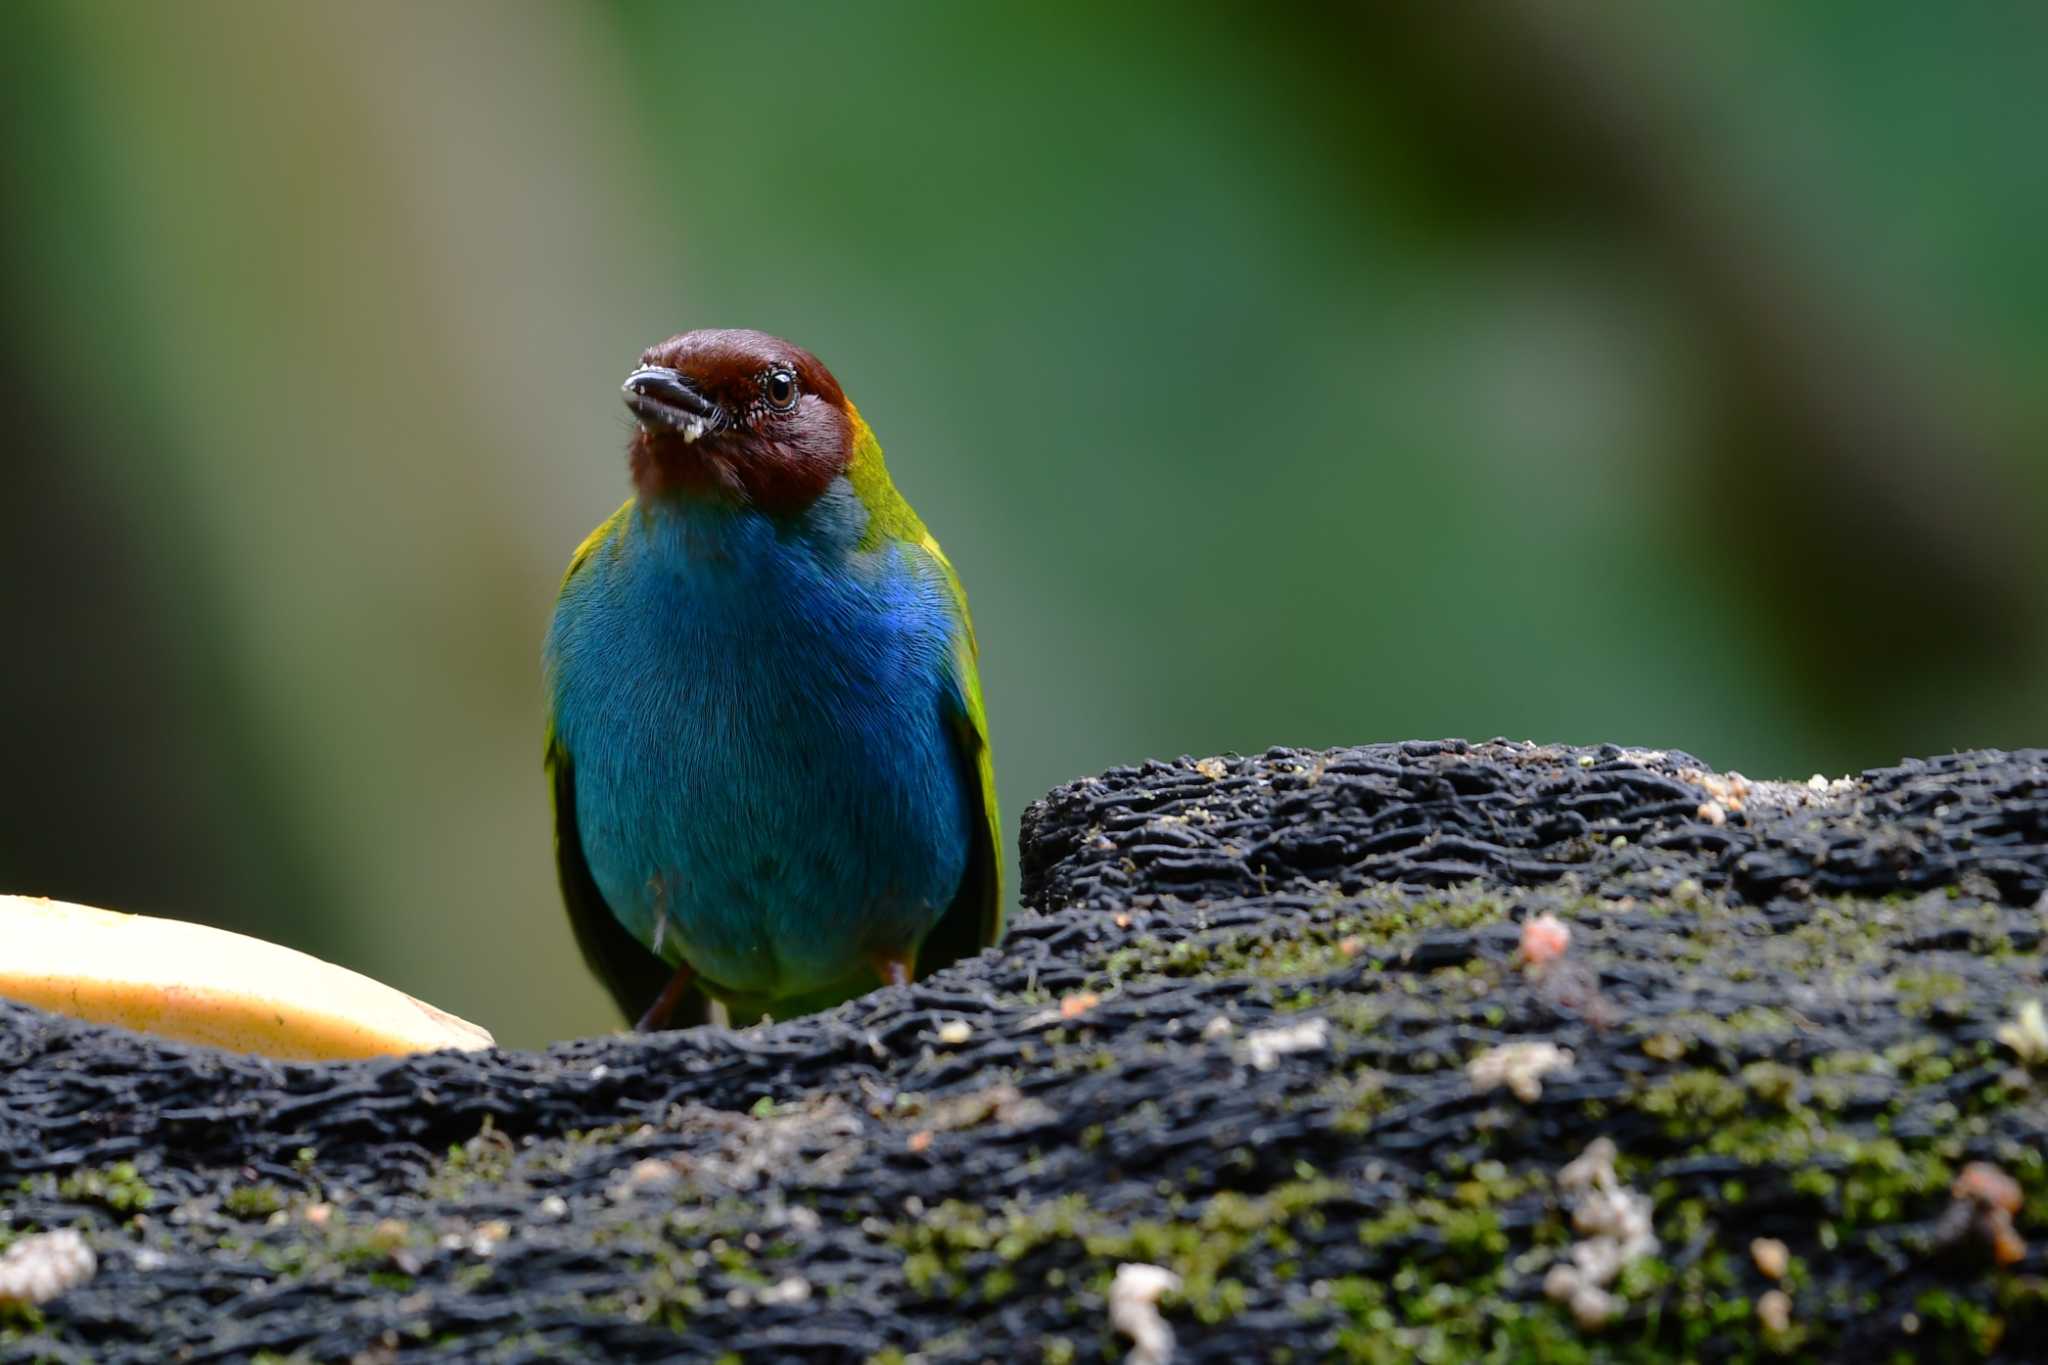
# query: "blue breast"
766, 785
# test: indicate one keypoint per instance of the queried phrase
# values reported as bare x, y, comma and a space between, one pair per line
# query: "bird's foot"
895, 968
664, 1005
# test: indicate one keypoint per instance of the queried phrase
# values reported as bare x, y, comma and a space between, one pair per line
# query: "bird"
766, 747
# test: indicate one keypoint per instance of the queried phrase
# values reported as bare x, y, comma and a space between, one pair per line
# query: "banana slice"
198, 984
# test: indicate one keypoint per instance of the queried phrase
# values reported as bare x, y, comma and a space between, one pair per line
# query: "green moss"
1412, 1317
1932, 1069
1474, 1236
1772, 1083
1358, 1101
1921, 992
19, 1320
1374, 923
1665, 1047
118, 1188
1693, 1102
1950, 1315
1847, 1063
1858, 1179
958, 1250
1746, 1024
1489, 1183
486, 1158
250, 1202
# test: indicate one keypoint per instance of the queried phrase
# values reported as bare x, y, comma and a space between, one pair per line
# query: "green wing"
975, 918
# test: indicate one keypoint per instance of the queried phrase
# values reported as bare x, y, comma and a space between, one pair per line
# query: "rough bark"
1230, 1036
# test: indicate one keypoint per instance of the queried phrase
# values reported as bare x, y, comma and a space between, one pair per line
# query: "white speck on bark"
38, 1268
1265, 1048
1134, 1310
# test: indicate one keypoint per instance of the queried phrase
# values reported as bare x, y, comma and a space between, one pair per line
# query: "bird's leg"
895, 968
664, 1005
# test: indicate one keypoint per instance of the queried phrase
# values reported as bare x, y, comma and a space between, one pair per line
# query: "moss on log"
1233, 1035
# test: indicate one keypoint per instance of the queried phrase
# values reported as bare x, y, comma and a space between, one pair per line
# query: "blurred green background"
1664, 374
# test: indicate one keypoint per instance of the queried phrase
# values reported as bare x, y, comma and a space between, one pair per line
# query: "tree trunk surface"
1249, 1028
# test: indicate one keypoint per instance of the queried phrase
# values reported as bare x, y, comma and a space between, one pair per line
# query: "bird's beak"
664, 400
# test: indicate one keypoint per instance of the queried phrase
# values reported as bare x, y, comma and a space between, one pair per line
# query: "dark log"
1784, 1006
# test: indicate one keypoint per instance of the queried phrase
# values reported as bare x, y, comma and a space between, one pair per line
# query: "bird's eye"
781, 388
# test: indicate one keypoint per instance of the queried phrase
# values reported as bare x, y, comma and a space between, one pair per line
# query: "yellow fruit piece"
198, 984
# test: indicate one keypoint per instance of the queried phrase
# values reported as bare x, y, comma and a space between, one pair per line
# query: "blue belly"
766, 785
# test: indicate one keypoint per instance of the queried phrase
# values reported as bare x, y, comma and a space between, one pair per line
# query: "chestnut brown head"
738, 416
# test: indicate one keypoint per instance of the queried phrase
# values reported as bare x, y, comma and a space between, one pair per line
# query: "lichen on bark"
1232, 1035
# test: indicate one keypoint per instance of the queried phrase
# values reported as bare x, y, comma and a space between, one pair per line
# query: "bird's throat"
666, 465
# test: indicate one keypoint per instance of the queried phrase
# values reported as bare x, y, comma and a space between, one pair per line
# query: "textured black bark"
1783, 1010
